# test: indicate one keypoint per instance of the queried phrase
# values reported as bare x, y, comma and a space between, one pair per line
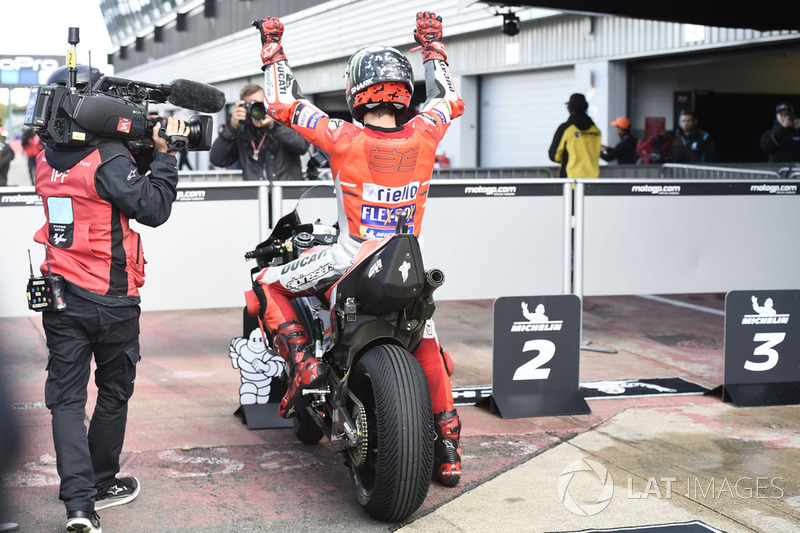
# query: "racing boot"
447, 449
305, 370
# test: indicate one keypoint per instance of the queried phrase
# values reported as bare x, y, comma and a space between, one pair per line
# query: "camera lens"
256, 110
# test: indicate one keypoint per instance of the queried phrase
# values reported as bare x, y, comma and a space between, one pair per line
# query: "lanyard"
257, 149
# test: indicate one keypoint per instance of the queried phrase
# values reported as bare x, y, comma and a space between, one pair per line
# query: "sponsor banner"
495, 189
684, 188
25, 70
438, 189
20, 199
217, 194
184, 195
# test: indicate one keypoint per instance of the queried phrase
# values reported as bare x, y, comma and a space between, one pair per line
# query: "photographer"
89, 194
259, 143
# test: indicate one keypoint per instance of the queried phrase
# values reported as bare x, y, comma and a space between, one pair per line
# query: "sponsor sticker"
376, 215
390, 195
124, 125
379, 233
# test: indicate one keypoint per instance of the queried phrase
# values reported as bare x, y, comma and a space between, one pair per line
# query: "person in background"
576, 143
625, 151
6, 156
781, 143
692, 145
32, 145
264, 148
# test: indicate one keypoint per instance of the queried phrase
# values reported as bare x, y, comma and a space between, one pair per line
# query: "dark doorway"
736, 122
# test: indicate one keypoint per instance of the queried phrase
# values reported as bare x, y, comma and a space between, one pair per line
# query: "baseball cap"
623, 123
784, 106
577, 100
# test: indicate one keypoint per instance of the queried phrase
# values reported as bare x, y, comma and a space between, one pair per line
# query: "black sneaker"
83, 522
122, 491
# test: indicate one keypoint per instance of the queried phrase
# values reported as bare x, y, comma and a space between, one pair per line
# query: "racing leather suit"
376, 171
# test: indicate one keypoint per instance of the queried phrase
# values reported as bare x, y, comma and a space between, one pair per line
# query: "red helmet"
375, 75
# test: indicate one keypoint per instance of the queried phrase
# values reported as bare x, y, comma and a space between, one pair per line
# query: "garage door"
519, 115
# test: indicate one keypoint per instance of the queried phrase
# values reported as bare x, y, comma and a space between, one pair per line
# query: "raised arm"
285, 102
440, 89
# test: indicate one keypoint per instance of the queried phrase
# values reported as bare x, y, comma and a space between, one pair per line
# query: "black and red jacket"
89, 195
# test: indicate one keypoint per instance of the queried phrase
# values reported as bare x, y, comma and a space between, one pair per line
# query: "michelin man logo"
257, 364
765, 314
536, 321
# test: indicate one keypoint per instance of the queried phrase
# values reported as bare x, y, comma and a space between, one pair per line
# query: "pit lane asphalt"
667, 458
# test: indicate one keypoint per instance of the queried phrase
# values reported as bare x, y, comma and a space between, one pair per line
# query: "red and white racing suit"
376, 172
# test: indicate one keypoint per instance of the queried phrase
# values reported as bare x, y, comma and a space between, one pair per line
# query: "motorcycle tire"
395, 476
305, 429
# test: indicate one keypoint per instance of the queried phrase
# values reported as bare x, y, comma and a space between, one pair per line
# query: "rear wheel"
392, 476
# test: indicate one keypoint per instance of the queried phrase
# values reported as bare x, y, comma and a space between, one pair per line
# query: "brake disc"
358, 453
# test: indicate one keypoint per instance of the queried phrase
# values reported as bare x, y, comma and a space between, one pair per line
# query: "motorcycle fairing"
387, 279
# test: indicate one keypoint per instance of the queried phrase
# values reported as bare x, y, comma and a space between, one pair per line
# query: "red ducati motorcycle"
375, 407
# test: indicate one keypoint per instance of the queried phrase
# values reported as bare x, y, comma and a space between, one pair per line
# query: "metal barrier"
493, 238
668, 170
685, 236
678, 170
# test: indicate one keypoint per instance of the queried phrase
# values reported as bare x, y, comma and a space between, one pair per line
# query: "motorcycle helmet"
376, 75
84, 79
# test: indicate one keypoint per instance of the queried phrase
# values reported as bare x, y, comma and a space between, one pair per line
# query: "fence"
491, 237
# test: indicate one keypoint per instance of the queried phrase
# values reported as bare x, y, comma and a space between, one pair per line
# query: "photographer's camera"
256, 110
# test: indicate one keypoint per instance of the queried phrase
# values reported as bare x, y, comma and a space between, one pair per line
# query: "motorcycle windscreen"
387, 281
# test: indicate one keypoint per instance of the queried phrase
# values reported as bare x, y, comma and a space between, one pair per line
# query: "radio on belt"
45, 293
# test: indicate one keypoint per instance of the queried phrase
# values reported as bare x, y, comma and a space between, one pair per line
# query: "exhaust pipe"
434, 278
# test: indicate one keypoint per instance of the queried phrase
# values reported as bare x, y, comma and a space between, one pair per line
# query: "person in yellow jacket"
576, 144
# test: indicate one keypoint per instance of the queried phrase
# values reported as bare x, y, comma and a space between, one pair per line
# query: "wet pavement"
656, 459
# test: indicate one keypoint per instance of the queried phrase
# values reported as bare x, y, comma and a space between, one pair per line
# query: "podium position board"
762, 347
262, 378
536, 356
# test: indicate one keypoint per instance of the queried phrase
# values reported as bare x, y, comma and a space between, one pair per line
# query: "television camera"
117, 107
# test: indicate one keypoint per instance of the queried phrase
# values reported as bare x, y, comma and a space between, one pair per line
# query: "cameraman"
260, 145
89, 194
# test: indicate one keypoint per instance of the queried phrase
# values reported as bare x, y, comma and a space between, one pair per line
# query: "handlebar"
263, 252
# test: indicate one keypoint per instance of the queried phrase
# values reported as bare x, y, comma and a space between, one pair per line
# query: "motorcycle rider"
378, 169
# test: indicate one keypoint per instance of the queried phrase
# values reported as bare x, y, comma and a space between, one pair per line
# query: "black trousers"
88, 462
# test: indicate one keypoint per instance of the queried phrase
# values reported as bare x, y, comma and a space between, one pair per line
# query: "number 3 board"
762, 347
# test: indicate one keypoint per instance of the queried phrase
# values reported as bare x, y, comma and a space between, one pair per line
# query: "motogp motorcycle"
375, 406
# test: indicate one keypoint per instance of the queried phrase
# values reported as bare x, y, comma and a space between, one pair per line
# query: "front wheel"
392, 480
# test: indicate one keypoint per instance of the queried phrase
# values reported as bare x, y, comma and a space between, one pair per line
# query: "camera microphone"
196, 96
